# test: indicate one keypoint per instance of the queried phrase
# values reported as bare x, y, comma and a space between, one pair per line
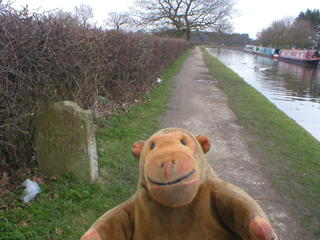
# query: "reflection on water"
294, 89
303, 81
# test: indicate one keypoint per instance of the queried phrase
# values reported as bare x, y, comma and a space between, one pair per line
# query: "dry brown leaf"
58, 231
39, 180
53, 178
23, 223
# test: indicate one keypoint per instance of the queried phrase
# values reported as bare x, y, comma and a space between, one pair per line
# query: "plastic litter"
31, 189
159, 80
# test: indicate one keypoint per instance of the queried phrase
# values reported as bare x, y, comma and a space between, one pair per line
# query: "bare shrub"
45, 58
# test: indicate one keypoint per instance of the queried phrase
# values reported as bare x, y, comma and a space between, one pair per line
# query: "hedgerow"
51, 57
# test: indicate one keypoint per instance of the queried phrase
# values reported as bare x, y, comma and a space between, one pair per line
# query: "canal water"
293, 88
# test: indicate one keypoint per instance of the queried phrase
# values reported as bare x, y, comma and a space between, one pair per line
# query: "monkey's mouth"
173, 182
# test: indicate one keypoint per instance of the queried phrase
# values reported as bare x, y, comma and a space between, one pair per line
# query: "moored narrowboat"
268, 52
305, 57
276, 53
250, 48
264, 51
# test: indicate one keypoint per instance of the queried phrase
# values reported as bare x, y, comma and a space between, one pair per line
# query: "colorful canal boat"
268, 52
305, 57
264, 51
250, 48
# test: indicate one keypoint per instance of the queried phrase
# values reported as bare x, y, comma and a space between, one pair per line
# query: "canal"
294, 89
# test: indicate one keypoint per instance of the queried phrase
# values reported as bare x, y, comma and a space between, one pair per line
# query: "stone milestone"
65, 141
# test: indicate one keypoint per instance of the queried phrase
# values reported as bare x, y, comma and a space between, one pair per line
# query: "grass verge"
66, 207
290, 155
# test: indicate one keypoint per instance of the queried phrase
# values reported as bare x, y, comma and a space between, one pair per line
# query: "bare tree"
288, 32
313, 16
276, 35
119, 21
184, 16
302, 34
83, 13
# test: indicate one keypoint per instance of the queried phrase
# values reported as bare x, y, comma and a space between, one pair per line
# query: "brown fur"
180, 197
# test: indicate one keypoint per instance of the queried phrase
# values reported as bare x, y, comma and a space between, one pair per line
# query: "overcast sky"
254, 14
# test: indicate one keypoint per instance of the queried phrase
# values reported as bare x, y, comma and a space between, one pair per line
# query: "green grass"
66, 207
290, 155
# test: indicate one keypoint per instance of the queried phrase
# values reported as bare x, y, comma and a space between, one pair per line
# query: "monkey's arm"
241, 213
115, 224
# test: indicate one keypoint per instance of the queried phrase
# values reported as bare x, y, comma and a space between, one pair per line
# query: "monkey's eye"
152, 146
183, 142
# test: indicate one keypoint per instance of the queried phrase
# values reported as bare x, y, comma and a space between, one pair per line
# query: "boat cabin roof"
304, 53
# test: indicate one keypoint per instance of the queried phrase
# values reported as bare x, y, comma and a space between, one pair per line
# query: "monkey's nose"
172, 163
168, 167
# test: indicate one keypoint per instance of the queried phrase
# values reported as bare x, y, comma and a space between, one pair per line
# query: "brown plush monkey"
180, 197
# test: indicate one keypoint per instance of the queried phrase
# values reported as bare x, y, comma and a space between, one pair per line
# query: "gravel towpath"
200, 107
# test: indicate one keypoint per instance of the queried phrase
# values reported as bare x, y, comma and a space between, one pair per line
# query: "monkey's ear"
137, 148
204, 142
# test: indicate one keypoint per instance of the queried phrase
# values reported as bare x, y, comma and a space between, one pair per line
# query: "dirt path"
200, 107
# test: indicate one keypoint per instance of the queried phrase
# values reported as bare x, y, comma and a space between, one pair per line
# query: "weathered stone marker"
65, 140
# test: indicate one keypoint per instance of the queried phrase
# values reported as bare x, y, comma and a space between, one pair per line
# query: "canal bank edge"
292, 88
289, 154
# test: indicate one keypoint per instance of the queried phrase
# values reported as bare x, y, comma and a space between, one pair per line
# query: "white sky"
254, 14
